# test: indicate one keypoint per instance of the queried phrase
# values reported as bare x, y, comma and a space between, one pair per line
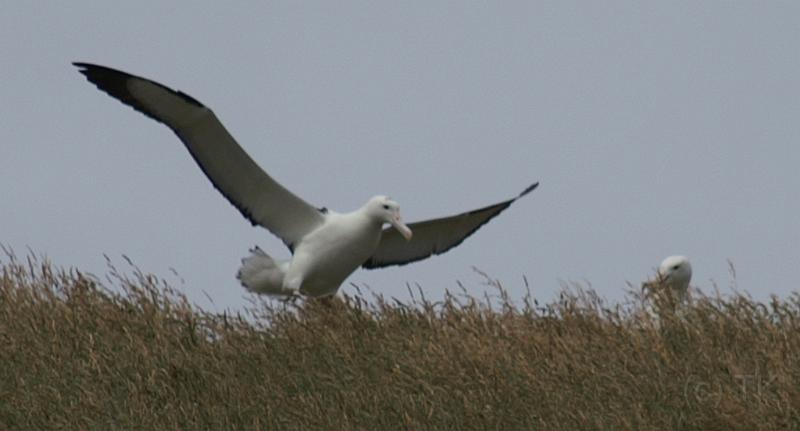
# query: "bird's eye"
386, 207
676, 267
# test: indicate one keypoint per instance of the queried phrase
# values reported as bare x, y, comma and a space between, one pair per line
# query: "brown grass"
132, 353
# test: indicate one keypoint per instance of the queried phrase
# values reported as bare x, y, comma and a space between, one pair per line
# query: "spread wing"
261, 199
433, 237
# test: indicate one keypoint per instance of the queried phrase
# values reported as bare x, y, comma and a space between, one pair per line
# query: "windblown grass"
132, 353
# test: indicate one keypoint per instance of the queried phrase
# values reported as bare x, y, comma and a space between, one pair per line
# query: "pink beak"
401, 227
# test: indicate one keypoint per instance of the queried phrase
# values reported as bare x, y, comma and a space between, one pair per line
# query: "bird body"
321, 261
329, 254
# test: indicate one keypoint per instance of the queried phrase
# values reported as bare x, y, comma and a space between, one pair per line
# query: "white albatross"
326, 246
674, 273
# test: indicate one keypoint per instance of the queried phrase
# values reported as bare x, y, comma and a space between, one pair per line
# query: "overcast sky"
655, 128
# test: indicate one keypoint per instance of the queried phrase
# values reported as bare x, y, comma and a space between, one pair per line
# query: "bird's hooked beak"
401, 227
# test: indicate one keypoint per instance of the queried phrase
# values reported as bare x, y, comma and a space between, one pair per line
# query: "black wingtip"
529, 189
89, 68
114, 82
83, 68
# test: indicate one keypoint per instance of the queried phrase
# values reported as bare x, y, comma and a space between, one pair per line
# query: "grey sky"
655, 128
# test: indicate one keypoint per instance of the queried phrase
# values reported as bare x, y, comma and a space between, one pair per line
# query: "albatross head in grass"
671, 286
676, 272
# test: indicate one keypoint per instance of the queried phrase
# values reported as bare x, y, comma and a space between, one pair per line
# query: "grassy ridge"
75, 354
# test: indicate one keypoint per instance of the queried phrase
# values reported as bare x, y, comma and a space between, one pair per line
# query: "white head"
676, 271
388, 211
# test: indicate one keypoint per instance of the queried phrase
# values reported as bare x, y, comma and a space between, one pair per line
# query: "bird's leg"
293, 282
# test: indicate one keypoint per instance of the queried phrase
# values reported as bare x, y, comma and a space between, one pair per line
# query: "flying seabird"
326, 246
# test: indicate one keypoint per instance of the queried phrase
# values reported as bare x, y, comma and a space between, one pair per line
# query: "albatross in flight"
326, 246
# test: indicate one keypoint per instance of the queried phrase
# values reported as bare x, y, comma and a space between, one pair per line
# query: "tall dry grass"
132, 353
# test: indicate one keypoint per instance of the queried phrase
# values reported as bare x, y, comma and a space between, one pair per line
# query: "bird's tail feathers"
262, 274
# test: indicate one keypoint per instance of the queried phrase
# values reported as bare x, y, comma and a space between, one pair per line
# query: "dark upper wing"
260, 198
433, 236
